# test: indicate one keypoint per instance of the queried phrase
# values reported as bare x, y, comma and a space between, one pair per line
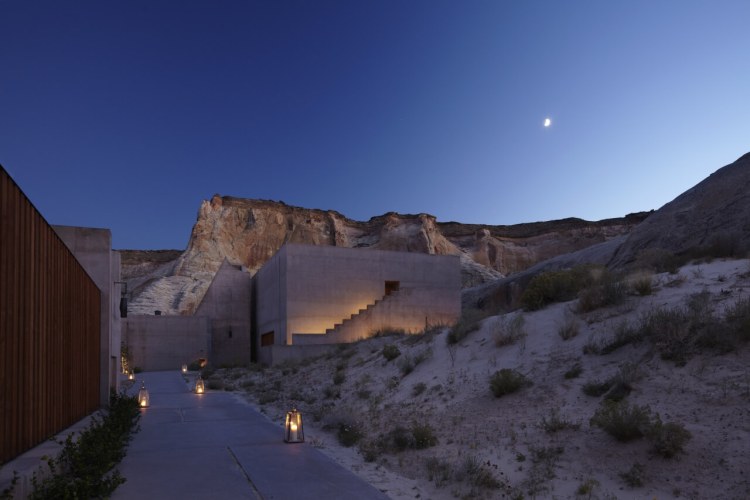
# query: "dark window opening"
266, 339
392, 286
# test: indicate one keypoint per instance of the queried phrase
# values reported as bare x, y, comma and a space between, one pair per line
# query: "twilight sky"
126, 114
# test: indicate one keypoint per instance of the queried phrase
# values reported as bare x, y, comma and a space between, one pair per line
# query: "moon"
547, 122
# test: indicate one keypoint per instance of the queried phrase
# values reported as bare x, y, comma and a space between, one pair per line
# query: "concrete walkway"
214, 446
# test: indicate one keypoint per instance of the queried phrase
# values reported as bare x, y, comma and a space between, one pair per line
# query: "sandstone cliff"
248, 232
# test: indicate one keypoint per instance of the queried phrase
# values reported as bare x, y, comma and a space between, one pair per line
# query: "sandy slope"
710, 395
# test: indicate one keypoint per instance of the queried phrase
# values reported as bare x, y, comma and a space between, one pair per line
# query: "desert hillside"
639, 388
248, 232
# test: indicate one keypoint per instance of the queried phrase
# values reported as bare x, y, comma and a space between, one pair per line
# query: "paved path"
213, 446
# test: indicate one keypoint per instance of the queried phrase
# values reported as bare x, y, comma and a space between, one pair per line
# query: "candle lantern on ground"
143, 400
184, 368
200, 386
131, 375
293, 432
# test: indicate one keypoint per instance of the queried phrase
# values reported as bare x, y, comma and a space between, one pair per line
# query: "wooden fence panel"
49, 329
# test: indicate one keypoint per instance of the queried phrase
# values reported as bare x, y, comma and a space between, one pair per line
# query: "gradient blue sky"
126, 114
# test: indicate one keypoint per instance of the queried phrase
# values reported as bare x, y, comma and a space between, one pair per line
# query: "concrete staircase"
354, 316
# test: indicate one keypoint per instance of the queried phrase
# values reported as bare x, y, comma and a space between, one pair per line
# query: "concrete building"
305, 299
308, 296
92, 247
218, 331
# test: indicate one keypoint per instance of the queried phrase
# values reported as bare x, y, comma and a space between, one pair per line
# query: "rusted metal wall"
49, 329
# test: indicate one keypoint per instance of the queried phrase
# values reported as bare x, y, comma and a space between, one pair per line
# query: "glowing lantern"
200, 387
184, 368
143, 396
293, 427
131, 376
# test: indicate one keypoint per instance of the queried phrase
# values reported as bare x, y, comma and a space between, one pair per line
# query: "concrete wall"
227, 305
92, 247
306, 290
166, 342
270, 306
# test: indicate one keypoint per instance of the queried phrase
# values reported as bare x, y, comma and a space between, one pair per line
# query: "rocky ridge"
248, 232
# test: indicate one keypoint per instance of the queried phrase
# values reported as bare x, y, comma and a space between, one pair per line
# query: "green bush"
557, 286
418, 389
569, 328
668, 440
555, 423
507, 381
85, 467
339, 377
634, 477
349, 433
424, 436
574, 371
623, 421
608, 290
391, 352
595, 388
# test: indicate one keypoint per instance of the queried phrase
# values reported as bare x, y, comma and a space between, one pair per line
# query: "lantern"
184, 368
200, 387
143, 396
131, 375
293, 428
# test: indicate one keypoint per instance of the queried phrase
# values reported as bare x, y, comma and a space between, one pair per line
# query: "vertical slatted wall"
49, 329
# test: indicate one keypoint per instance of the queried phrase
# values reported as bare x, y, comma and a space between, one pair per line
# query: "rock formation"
248, 232
719, 206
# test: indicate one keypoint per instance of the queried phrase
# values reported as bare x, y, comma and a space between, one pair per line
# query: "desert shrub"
622, 421
596, 388
737, 317
642, 283
668, 439
207, 372
569, 327
587, 488
507, 381
543, 460
194, 366
621, 385
659, 260
398, 439
349, 432
364, 393
423, 435
418, 389
267, 397
406, 365
555, 423
339, 377
215, 384
370, 450
439, 471
467, 323
137, 369
332, 392
391, 352
608, 290
388, 332
555, 286
635, 476
625, 334
725, 244
478, 474
508, 332
574, 371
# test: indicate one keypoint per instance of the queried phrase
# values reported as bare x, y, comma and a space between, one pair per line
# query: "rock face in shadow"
716, 208
715, 213
248, 232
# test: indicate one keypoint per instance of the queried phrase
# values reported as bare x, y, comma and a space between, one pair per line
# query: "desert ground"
425, 423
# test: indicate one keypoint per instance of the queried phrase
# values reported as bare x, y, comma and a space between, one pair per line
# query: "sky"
127, 114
